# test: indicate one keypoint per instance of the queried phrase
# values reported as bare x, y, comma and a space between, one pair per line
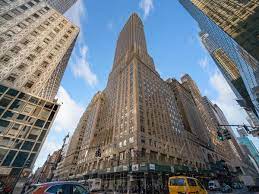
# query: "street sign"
135, 167
172, 169
152, 166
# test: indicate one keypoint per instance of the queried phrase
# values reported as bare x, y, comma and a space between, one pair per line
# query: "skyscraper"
230, 29
61, 5
133, 130
36, 42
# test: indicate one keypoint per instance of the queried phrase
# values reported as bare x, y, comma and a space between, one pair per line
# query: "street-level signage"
5, 171
152, 166
172, 169
135, 167
125, 168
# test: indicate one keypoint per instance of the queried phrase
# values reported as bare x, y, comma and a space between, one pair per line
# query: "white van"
214, 185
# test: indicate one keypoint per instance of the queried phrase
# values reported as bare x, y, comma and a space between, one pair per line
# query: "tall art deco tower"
134, 124
36, 42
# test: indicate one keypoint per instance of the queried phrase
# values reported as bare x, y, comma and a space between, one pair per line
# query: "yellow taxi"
185, 185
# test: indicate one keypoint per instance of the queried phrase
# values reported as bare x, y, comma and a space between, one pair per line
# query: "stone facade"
140, 122
36, 42
61, 5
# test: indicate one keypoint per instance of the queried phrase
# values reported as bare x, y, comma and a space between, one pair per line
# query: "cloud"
204, 63
77, 13
81, 68
66, 121
110, 25
146, 6
69, 112
226, 99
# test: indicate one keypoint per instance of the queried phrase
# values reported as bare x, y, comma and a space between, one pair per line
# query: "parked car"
214, 185
184, 184
64, 187
4, 188
226, 189
237, 185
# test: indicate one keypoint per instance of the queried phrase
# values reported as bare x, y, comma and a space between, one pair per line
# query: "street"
240, 191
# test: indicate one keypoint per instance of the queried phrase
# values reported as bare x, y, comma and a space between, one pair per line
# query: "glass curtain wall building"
246, 65
36, 42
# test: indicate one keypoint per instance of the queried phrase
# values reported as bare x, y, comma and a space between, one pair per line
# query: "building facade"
61, 5
137, 127
36, 42
250, 148
229, 31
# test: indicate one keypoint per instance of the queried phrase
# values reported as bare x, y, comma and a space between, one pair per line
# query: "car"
214, 185
61, 187
4, 188
184, 184
226, 189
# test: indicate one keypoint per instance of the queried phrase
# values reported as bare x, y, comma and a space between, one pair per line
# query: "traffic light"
226, 134
98, 153
246, 128
220, 136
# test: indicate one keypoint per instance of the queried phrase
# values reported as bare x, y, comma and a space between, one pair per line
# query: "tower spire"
131, 38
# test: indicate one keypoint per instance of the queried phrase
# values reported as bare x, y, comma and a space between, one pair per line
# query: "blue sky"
172, 40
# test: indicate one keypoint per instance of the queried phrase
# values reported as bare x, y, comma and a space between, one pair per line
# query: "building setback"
36, 42
61, 5
139, 123
230, 34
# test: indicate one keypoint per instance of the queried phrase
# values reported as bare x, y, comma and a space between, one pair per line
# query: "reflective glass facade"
244, 62
24, 124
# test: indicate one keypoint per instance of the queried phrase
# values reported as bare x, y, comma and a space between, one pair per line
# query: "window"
39, 123
9, 158
3, 3
20, 159
36, 147
9, 34
29, 20
16, 105
7, 16
22, 67
177, 182
3, 124
36, 15
12, 92
79, 190
2, 154
5, 59
34, 134
23, 7
28, 145
11, 78
191, 182
16, 12
4, 102
60, 189
25, 42
21, 25
29, 84
16, 49
42, 135
31, 57
8, 115
35, 33
31, 4
38, 49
